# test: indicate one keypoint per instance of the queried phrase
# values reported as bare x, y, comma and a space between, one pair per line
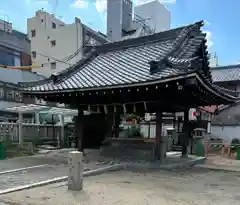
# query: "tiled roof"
226, 73
158, 56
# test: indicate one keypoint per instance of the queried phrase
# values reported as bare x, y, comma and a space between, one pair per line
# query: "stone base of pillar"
75, 174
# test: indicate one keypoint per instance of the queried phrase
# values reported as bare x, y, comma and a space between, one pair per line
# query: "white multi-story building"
123, 23
52, 41
55, 45
155, 14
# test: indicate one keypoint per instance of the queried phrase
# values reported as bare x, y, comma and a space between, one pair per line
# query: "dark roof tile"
127, 62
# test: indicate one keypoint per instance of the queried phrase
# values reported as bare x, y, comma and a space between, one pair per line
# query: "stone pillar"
20, 129
30, 148
62, 129
75, 174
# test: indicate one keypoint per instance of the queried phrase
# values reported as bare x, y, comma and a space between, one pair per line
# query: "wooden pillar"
79, 125
185, 134
159, 143
116, 123
109, 125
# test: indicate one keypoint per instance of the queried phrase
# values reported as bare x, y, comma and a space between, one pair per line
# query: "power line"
60, 61
65, 59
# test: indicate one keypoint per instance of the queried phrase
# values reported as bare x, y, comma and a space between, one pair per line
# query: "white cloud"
101, 5
80, 4
209, 38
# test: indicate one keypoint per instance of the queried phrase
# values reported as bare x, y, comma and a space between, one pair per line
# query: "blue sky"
222, 18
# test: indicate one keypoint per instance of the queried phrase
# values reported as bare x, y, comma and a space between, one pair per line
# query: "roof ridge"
176, 46
126, 43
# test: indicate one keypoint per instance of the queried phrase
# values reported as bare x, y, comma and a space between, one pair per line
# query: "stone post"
30, 148
20, 130
75, 174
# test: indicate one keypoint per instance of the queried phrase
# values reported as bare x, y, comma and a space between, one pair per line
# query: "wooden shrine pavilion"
164, 72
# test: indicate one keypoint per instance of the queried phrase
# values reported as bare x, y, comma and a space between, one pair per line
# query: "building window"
53, 43
34, 54
16, 61
10, 95
53, 65
53, 25
33, 33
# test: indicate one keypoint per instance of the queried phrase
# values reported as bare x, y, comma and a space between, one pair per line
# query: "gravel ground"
36, 175
53, 169
195, 186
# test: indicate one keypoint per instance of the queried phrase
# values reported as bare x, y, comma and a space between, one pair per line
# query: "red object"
195, 114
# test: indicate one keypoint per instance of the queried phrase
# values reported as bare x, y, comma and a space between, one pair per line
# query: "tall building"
52, 41
119, 18
146, 19
14, 46
55, 45
155, 14
14, 51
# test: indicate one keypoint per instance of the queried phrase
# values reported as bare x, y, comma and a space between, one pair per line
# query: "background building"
226, 124
119, 18
14, 46
155, 14
14, 51
10, 95
146, 19
55, 45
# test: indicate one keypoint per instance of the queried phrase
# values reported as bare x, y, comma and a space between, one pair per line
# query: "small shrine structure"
163, 72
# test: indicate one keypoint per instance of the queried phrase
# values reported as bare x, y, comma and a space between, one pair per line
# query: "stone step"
176, 148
